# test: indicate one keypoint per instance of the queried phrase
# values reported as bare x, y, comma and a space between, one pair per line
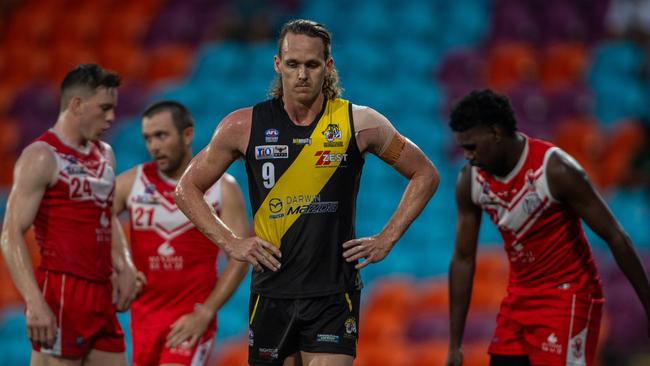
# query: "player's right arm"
463, 263
120, 246
228, 143
192, 326
123, 184
35, 170
569, 183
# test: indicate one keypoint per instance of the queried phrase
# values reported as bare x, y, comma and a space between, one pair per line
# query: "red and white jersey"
73, 222
542, 236
180, 263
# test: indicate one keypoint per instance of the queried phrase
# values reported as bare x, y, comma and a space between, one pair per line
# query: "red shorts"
553, 327
149, 347
85, 315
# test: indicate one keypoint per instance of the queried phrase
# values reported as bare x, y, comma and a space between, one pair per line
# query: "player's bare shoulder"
37, 162
125, 180
234, 129
372, 129
560, 163
367, 118
128, 175
564, 174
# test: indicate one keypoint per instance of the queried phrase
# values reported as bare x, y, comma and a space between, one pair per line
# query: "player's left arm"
125, 284
375, 134
569, 183
233, 214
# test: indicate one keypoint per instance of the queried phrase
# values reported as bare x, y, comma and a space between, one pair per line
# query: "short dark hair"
309, 28
483, 107
181, 116
88, 76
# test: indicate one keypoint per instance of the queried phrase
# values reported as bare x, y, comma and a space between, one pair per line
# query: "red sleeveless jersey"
543, 237
180, 263
73, 222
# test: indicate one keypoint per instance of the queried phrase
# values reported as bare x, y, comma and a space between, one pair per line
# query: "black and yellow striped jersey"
303, 183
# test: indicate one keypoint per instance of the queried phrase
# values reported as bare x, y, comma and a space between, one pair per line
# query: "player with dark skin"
490, 147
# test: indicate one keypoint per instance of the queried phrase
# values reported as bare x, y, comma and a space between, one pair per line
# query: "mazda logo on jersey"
264, 152
314, 208
275, 205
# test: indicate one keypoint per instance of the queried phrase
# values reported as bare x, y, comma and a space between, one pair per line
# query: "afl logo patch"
271, 135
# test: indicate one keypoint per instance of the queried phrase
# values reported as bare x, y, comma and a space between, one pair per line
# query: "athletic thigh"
39, 359
293, 360
326, 359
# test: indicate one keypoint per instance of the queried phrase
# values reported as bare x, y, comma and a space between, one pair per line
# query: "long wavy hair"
331, 88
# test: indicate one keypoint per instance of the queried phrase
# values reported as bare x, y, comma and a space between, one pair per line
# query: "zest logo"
326, 158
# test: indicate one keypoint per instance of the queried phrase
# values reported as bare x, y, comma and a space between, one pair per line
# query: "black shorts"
279, 328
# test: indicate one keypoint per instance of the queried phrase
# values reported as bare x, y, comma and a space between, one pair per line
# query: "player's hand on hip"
127, 288
140, 283
189, 328
259, 253
454, 358
41, 324
372, 249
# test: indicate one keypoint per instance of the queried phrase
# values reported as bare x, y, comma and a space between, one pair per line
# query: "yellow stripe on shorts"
347, 297
257, 302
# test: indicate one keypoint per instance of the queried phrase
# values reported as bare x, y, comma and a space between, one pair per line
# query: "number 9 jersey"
73, 223
303, 183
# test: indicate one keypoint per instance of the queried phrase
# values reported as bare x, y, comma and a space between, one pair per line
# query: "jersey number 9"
268, 173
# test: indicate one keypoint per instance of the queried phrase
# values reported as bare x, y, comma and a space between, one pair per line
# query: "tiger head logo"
332, 132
